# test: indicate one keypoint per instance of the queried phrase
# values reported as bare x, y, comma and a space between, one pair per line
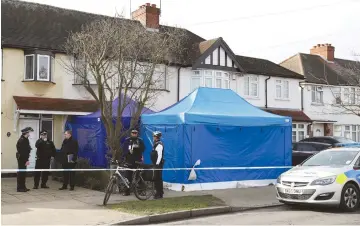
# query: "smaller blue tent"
221, 129
91, 133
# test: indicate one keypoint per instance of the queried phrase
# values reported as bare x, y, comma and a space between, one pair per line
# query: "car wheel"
350, 197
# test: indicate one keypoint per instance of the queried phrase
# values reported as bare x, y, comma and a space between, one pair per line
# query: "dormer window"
38, 66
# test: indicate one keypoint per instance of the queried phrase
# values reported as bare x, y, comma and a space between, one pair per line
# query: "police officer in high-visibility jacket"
22, 155
157, 158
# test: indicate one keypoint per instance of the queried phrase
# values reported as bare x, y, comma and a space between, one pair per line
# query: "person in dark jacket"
69, 150
44, 152
133, 149
22, 155
157, 158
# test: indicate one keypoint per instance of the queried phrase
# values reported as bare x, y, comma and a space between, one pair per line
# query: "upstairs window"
282, 89
317, 95
349, 96
38, 67
336, 91
210, 79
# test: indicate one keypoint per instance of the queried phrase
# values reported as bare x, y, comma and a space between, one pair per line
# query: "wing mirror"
356, 167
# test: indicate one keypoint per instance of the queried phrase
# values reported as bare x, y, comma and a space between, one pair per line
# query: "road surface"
279, 216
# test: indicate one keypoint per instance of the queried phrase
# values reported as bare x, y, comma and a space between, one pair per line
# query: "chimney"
148, 15
326, 51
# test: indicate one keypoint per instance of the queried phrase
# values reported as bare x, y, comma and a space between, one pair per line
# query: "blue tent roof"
126, 113
214, 106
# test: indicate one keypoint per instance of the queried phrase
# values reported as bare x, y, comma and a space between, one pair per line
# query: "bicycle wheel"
143, 190
109, 189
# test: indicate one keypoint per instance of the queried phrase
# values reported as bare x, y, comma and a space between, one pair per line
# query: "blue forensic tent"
221, 129
91, 133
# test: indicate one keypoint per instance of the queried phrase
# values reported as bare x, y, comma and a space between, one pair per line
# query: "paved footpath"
279, 216
84, 206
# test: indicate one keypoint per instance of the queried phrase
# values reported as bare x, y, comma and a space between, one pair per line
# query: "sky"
269, 29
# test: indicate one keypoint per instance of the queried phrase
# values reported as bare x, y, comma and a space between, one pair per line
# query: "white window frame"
218, 77
336, 91
351, 131
209, 76
226, 80
33, 78
199, 76
38, 68
314, 89
297, 130
350, 95
281, 84
249, 82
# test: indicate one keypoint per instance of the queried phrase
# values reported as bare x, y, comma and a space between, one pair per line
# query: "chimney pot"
153, 5
318, 45
147, 4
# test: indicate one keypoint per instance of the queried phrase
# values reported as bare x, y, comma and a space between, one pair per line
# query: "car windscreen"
330, 158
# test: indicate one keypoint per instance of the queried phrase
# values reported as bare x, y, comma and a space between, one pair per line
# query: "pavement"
282, 215
84, 206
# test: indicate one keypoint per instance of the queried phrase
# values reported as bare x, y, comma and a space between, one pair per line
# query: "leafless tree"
119, 58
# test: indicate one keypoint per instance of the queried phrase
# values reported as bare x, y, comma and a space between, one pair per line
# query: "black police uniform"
159, 181
69, 146
45, 150
133, 149
22, 155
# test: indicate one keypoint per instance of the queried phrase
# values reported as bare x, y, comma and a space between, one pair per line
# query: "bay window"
210, 79
38, 66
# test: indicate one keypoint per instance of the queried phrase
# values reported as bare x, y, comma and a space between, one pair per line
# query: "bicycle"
143, 189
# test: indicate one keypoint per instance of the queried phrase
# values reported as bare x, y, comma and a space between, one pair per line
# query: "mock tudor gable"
216, 54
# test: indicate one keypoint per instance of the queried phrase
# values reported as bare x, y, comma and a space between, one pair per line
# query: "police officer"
133, 149
45, 151
22, 155
157, 158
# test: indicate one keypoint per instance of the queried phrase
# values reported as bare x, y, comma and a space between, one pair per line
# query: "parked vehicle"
303, 150
334, 141
330, 177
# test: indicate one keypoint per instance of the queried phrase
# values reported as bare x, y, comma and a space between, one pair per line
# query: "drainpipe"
302, 94
178, 84
266, 91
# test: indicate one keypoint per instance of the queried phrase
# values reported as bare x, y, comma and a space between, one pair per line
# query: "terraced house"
331, 94
37, 91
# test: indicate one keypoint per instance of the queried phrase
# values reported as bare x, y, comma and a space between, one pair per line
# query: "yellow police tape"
341, 179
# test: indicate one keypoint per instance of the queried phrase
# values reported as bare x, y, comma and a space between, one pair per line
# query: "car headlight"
278, 180
324, 181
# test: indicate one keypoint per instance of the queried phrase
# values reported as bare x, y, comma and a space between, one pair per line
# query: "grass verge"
151, 207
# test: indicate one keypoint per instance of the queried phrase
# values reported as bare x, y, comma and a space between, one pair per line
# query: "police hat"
43, 132
27, 130
134, 131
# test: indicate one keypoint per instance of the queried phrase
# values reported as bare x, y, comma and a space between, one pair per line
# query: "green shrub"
96, 180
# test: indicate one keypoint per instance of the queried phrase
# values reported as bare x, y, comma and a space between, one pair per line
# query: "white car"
331, 177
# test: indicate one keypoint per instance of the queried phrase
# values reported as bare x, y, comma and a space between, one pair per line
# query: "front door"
34, 136
318, 130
